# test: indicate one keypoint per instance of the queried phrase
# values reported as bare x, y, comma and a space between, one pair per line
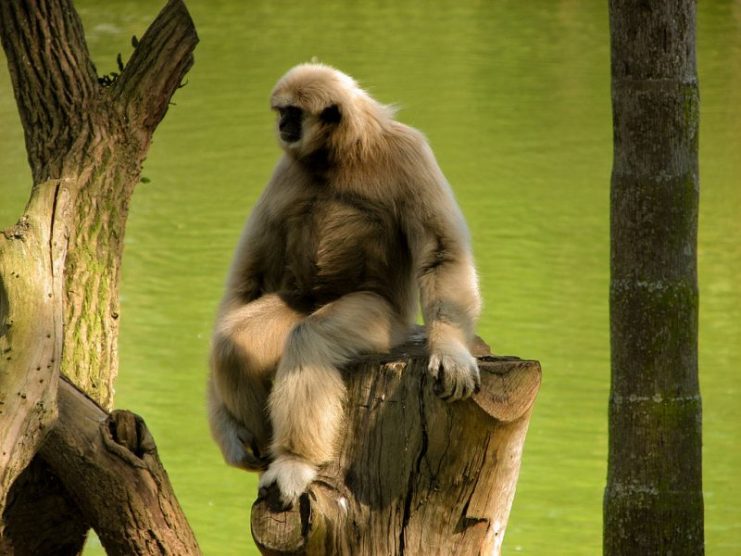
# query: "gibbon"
356, 224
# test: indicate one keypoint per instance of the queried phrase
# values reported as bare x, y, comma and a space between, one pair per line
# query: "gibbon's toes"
271, 495
457, 378
291, 477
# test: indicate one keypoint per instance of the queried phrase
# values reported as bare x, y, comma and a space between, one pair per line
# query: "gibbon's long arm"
260, 254
254, 250
244, 282
448, 284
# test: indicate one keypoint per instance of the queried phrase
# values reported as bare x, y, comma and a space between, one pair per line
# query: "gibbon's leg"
247, 346
307, 397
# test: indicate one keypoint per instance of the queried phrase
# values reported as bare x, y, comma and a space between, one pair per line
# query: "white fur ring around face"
456, 373
291, 474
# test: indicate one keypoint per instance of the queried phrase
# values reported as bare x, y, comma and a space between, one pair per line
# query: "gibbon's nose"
289, 136
289, 127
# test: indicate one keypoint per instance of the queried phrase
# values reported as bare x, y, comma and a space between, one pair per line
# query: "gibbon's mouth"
289, 137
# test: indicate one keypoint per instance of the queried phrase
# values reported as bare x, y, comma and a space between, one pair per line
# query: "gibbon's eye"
331, 115
289, 123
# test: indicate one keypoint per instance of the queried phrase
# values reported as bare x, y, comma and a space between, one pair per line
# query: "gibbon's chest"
336, 244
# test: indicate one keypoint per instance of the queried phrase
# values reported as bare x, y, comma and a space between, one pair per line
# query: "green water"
514, 97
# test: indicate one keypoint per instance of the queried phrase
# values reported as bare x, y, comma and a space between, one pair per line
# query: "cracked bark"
60, 264
415, 475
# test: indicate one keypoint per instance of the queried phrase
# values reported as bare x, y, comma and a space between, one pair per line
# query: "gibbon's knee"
247, 346
360, 322
253, 335
365, 320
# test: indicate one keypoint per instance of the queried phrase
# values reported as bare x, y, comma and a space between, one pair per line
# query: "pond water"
515, 99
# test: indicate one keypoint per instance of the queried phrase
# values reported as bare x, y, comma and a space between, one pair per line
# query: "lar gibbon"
356, 224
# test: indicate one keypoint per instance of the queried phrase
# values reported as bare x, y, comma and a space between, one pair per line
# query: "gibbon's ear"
331, 115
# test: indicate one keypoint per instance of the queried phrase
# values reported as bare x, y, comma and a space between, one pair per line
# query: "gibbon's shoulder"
407, 146
412, 157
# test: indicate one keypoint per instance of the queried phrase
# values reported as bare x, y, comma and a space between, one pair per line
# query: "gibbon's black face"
289, 124
294, 124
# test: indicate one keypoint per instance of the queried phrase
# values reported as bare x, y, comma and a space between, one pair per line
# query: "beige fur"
356, 224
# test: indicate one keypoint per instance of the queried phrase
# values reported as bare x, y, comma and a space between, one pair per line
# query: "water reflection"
514, 97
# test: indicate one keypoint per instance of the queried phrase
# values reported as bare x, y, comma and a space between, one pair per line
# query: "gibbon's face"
302, 132
290, 123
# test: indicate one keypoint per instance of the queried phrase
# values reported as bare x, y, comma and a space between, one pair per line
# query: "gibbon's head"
324, 114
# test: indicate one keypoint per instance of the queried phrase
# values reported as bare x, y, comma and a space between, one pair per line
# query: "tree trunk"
86, 140
415, 475
653, 500
93, 139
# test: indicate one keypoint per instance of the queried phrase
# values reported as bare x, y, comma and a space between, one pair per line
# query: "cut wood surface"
415, 474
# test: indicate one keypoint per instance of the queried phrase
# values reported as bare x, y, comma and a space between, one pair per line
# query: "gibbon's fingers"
236, 442
253, 458
233, 449
239, 447
292, 476
434, 367
456, 375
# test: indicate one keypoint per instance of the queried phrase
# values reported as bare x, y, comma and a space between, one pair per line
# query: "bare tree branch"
110, 466
156, 69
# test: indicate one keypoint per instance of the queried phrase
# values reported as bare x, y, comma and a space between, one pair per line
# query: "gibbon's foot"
292, 476
456, 374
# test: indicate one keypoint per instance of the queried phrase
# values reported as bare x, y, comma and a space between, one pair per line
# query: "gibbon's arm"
259, 252
245, 278
448, 284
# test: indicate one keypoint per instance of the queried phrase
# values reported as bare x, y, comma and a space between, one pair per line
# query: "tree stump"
415, 474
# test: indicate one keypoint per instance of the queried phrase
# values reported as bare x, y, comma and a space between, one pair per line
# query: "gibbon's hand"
455, 371
292, 476
241, 450
252, 459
